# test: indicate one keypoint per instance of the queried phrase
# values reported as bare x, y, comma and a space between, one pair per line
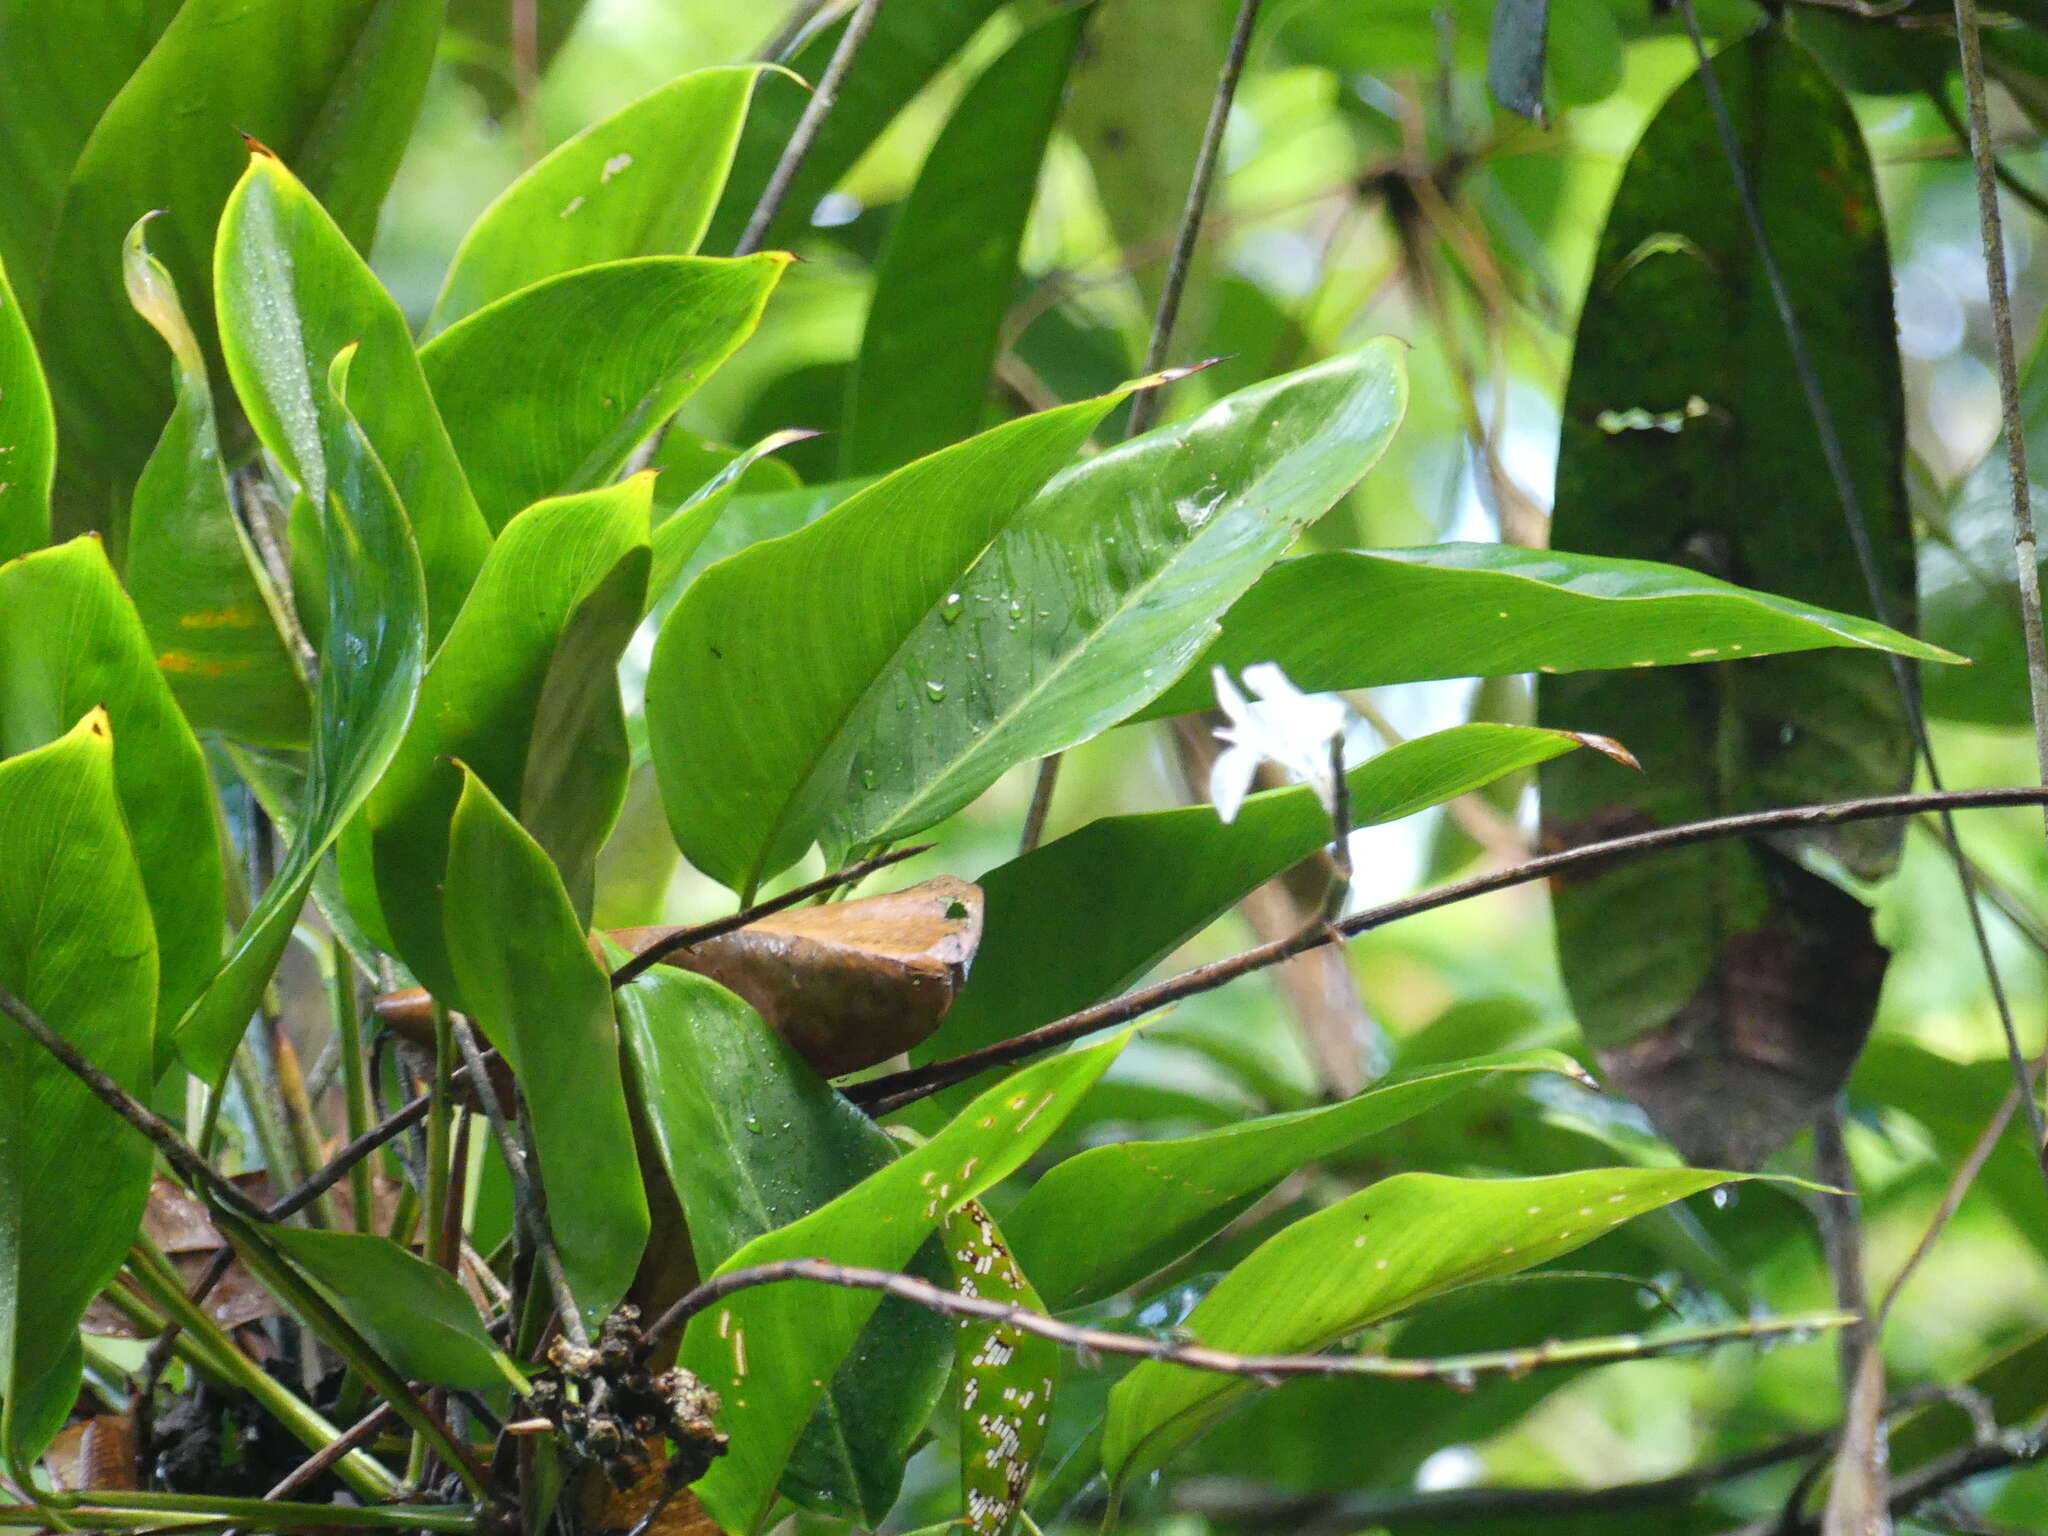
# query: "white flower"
1282, 725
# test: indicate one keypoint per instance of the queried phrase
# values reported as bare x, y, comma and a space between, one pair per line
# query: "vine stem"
881, 1095
816, 110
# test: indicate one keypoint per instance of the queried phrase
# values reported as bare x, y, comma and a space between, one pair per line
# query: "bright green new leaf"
769, 1350
77, 947
1392, 1245
28, 434
195, 580
483, 699
291, 294
1364, 618
375, 646
1007, 1377
948, 269
416, 1314
551, 389
524, 972
641, 182
333, 89
1112, 1215
70, 642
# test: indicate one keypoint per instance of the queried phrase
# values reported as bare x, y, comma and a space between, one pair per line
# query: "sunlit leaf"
28, 433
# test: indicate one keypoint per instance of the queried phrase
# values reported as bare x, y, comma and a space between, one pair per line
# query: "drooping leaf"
1112, 1215
483, 699
1008, 1378
524, 972
335, 91
1725, 986
375, 646
550, 389
768, 1351
1364, 618
641, 182
1392, 1245
1515, 53
949, 266
291, 294
416, 1315
28, 433
1114, 898
76, 946
190, 568
70, 642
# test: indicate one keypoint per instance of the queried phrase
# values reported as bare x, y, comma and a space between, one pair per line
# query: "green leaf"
753, 678
483, 700
292, 294
1008, 1378
1110, 1216
1397, 1243
334, 90
641, 182
190, 569
70, 641
1115, 897
948, 269
369, 678
681, 533
1364, 618
28, 433
550, 390
77, 947
525, 973
767, 1351
415, 1314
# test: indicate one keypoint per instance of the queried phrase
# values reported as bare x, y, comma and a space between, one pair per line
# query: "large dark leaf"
1726, 987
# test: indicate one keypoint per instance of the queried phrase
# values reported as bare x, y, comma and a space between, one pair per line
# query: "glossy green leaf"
333, 90
1392, 1245
641, 182
291, 294
948, 269
190, 569
369, 678
1008, 1378
76, 946
1112, 1215
681, 534
767, 1351
754, 679
550, 390
28, 433
482, 703
70, 641
1114, 898
1364, 618
416, 1315
525, 973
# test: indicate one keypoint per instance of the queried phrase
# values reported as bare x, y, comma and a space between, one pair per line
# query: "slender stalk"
300, 1123
1041, 802
355, 1083
97, 1508
434, 1193
316, 1466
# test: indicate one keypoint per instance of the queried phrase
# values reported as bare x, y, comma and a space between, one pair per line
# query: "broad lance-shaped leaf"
70, 642
1726, 986
949, 266
525, 973
291, 294
334, 90
481, 703
1008, 1377
1389, 1247
550, 389
679, 535
753, 1139
375, 646
76, 946
1365, 618
1108, 1217
768, 1350
1115, 897
753, 678
641, 182
28, 433
190, 569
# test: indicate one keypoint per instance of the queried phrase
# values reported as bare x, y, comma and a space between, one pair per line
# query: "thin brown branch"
314, 1467
882, 1094
816, 110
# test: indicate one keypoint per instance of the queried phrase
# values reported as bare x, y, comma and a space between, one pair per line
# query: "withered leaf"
98, 1452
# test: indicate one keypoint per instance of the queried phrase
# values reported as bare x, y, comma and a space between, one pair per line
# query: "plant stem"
355, 1083
143, 1509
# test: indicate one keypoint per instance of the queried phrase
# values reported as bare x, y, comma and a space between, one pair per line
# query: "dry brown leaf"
612, 1509
98, 1452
